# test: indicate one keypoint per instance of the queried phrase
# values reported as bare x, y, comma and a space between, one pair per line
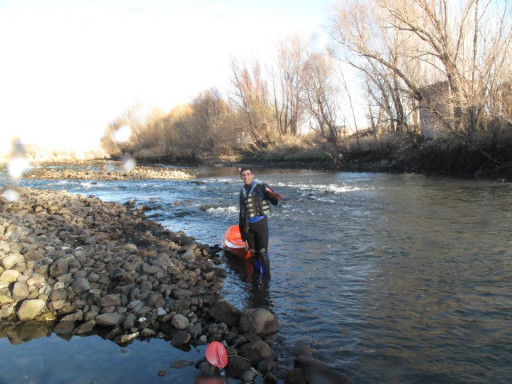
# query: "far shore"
171, 168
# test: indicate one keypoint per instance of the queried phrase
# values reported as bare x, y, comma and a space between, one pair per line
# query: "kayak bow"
233, 243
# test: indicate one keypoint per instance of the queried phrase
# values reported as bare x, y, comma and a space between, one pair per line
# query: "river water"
389, 278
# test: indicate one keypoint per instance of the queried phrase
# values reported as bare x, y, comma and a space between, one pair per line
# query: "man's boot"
262, 253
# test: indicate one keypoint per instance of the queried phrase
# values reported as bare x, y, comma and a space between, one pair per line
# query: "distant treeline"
428, 70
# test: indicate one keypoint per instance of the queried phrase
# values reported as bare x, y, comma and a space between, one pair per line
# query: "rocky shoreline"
106, 170
94, 267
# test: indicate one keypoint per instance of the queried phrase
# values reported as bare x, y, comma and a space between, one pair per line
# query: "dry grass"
295, 148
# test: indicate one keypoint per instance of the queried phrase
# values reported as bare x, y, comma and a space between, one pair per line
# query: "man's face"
247, 177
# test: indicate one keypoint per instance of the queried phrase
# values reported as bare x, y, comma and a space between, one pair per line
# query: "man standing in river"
253, 223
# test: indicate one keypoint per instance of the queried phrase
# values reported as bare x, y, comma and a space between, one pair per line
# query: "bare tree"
322, 96
250, 98
288, 85
465, 43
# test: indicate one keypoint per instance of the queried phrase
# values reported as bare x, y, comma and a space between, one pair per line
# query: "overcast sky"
69, 67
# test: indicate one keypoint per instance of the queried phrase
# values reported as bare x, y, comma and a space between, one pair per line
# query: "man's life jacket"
253, 203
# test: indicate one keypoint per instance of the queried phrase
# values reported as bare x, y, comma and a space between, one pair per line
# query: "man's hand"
274, 194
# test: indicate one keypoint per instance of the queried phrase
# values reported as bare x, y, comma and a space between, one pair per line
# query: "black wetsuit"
253, 221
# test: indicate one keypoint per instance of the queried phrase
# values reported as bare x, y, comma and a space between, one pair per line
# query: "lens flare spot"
122, 134
17, 167
128, 163
11, 195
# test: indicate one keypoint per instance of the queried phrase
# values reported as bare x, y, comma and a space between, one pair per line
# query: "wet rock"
46, 317
237, 365
257, 351
270, 378
226, 313
266, 365
248, 376
195, 331
127, 338
65, 328
85, 328
302, 350
258, 321
296, 376
180, 339
76, 316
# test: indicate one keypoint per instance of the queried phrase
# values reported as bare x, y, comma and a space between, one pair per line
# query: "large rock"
64, 328
108, 319
257, 351
237, 365
225, 312
259, 321
10, 261
179, 321
29, 309
180, 339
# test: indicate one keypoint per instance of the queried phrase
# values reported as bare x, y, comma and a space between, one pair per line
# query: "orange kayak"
233, 243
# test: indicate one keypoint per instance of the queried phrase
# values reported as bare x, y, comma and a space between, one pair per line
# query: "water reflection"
256, 286
18, 333
32, 353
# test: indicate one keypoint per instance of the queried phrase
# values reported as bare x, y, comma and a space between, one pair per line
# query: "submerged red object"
216, 354
233, 243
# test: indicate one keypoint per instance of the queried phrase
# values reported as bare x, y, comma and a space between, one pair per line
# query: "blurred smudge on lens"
128, 163
11, 195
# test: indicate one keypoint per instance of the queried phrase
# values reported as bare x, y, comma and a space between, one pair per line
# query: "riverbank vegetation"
401, 86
